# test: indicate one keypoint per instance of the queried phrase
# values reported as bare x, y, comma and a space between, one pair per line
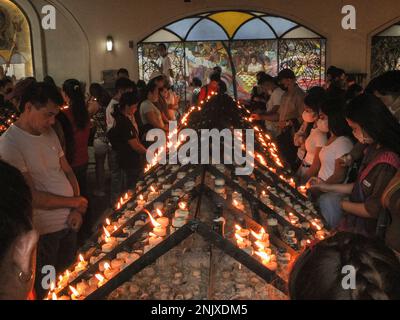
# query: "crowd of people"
341, 140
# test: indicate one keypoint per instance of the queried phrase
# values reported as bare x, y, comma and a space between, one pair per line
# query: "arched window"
386, 51
15, 41
242, 43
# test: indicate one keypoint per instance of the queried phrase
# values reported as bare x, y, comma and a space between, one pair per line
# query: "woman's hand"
318, 184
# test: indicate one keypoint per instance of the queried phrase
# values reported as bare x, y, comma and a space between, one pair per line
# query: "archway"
385, 54
242, 43
16, 54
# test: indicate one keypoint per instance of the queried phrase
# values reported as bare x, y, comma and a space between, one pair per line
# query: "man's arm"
48, 201
69, 173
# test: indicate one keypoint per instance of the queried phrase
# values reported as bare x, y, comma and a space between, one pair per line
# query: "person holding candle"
124, 138
357, 207
318, 273
17, 237
34, 148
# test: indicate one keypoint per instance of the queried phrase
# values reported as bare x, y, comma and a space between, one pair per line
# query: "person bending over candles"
124, 138
318, 274
357, 207
17, 237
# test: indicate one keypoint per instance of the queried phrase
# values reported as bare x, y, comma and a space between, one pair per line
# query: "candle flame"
74, 291
182, 205
141, 197
115, 228
160, 214
266, 258
81, 258
54, 296
239, 238
259, 236
67, 273
152, 189
118, 206
126, 196
108, 222
106, 233
107, 266
99, 277
153, 221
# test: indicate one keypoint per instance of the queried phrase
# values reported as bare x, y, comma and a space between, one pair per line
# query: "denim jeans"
116, 177
330, 206
56, 249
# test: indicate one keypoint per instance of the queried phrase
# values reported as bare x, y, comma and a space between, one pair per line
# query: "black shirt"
119, 136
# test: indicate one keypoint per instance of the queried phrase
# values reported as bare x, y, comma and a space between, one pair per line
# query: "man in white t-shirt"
271, 117
32, 146
165, 64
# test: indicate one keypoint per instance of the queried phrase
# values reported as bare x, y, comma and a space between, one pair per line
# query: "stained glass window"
206, 30
163, 36
386, 51
280, 25
182, 27
250, 57
241, 43
304, 57
254, 29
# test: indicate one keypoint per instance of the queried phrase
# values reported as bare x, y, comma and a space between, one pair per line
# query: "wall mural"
242, 43
15, 41
385, 55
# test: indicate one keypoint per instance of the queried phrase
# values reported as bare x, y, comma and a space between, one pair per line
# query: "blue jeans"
116, 177
329, 204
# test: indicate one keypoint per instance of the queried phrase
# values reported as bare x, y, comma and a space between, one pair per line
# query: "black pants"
287, 148
81, 176
54, 249
130, 178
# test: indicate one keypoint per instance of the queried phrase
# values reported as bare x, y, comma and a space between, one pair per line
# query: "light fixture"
110, 44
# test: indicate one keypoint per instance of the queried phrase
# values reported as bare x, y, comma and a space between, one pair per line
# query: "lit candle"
110, 273
75, 294
244, 233
101, 280
154, 239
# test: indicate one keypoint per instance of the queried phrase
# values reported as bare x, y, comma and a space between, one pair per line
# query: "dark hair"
386, 84
317, 273
218, 69
215, 76
102, 96
315, 98
151, 86
197, 82
49, 80
376, 120
334, 109
72, 89
141, 84
123, 71
353, 91
5, 81
162, 45
124, 84
37, 93
15, 206
264, 78
127, 99
335, 72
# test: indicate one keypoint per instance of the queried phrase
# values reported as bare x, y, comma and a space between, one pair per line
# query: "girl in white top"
150, 115
339, 144
309, 138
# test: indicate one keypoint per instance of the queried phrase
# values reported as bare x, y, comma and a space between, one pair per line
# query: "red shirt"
206, 91
81, 142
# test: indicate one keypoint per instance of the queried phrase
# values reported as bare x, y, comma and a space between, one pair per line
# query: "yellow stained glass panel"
231, 20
